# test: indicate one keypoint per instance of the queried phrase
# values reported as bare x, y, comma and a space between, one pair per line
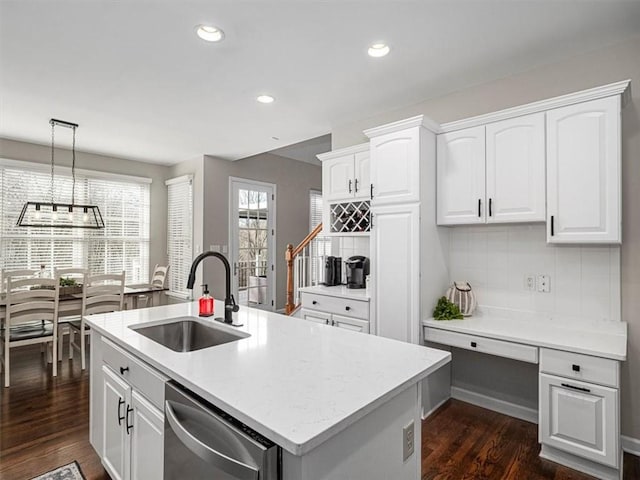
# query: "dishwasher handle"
233, 467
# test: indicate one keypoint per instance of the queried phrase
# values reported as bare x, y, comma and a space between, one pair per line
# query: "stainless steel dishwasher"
203, 442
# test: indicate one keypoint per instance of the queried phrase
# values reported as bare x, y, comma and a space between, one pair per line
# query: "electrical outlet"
543, 283
530, 282
408, 441
225, 249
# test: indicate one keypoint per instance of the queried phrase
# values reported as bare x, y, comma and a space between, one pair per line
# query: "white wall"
584, 280
610, 64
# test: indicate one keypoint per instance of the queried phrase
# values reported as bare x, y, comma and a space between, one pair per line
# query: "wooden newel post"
288, 256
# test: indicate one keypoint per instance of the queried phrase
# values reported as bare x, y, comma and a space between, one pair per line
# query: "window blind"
122, 245
180, 233
320, 246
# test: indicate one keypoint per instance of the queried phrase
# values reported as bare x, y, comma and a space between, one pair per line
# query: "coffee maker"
333, 271
357, 271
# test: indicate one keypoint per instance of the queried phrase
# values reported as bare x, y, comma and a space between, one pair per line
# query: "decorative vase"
461, 294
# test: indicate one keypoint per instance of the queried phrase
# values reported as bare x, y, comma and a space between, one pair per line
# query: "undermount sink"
186, 334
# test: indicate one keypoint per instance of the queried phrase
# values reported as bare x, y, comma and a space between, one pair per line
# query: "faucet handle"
234, 305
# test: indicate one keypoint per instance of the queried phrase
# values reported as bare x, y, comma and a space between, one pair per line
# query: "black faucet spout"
229, 302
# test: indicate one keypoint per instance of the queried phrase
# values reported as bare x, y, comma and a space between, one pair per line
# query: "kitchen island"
337, 402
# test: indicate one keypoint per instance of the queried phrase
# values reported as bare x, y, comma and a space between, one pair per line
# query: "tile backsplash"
496, 260
346, 247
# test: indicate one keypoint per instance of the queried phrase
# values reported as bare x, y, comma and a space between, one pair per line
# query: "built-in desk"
578, 374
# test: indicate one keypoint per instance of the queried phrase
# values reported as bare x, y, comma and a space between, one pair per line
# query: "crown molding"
417, 121
618, 88
341, 152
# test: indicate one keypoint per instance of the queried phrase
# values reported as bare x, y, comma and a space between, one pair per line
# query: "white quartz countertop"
296, 382
606, 339
338, 291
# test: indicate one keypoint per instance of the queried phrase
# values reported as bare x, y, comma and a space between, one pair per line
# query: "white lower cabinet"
324, 309
580, 418
130, 419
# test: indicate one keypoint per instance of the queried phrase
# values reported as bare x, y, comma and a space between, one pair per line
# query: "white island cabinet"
338, 403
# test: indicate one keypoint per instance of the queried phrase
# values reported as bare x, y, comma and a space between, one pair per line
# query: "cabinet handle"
371, 192
129, 427
581, 389
347, 308
552, 232
479, 205
326, 321
120, 416
315, 302
474, 344
333, 322
575, 368
490, 202
350, 182
356, 185
123, 369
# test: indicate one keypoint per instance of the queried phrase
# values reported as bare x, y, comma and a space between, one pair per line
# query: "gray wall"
30, 152
294, 180
618, 62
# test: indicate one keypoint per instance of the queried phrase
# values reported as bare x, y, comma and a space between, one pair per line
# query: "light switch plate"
408, 441
530, 282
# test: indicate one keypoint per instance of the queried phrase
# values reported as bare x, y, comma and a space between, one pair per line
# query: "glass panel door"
252, 243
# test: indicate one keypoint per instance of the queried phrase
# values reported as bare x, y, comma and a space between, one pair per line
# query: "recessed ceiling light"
209, 33
378, 50
265, 99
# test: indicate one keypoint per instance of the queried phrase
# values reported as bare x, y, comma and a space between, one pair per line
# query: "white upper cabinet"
395, 167
345, 174
338, 178
461, 177
583, 172
515, 169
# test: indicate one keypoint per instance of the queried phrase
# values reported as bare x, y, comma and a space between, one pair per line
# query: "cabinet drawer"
580, 367
316, 316
517, 351
338, 305
143, 378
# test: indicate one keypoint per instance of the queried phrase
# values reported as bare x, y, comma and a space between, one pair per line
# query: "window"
122, 245
320, 247
179, 233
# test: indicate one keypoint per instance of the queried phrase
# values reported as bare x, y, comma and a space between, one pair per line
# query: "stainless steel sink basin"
186, 334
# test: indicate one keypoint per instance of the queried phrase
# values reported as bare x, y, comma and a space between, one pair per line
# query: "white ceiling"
142, 85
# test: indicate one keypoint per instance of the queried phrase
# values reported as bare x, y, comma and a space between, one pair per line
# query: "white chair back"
159, 276
103, 293
77, 274
30, 299
15, 274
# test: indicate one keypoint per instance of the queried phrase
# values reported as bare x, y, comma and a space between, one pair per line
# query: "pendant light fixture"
61, 215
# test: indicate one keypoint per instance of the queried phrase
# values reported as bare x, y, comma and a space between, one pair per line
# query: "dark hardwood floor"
44, 423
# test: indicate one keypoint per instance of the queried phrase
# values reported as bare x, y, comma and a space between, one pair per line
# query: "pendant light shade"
56, 214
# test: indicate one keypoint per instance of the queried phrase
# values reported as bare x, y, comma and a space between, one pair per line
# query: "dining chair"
158, 280
101, 294
78, 274
24, 273
31, 316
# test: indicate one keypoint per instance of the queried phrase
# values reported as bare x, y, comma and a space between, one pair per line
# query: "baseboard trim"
495, 404
430, 412
630, 445
581, 464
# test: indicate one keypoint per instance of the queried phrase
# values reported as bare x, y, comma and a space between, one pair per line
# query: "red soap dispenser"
206, 303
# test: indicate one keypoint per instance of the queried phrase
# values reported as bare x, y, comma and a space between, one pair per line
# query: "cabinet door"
362, 168
338, 178
515, 169
318, 317
583, 172
580, 418
395, 274
147, 440
351, 323
116, 398
395, 167
461, 177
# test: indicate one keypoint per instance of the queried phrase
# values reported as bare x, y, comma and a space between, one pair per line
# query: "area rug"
66, 472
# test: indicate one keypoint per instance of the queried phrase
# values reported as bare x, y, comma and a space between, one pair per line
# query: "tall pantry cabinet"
408, 251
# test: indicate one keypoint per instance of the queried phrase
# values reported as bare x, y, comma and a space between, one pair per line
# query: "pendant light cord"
73, 168
53, 129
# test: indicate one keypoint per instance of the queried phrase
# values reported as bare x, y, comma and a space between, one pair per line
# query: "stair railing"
299, 269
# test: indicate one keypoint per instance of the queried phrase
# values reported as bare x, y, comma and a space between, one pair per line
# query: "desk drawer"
338, 305
133, 371
580, 367
517, 351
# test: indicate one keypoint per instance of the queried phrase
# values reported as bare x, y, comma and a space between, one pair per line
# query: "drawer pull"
315, 302
582, 389
474, 344
326, 321
575, 368
123, 369
347, 308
